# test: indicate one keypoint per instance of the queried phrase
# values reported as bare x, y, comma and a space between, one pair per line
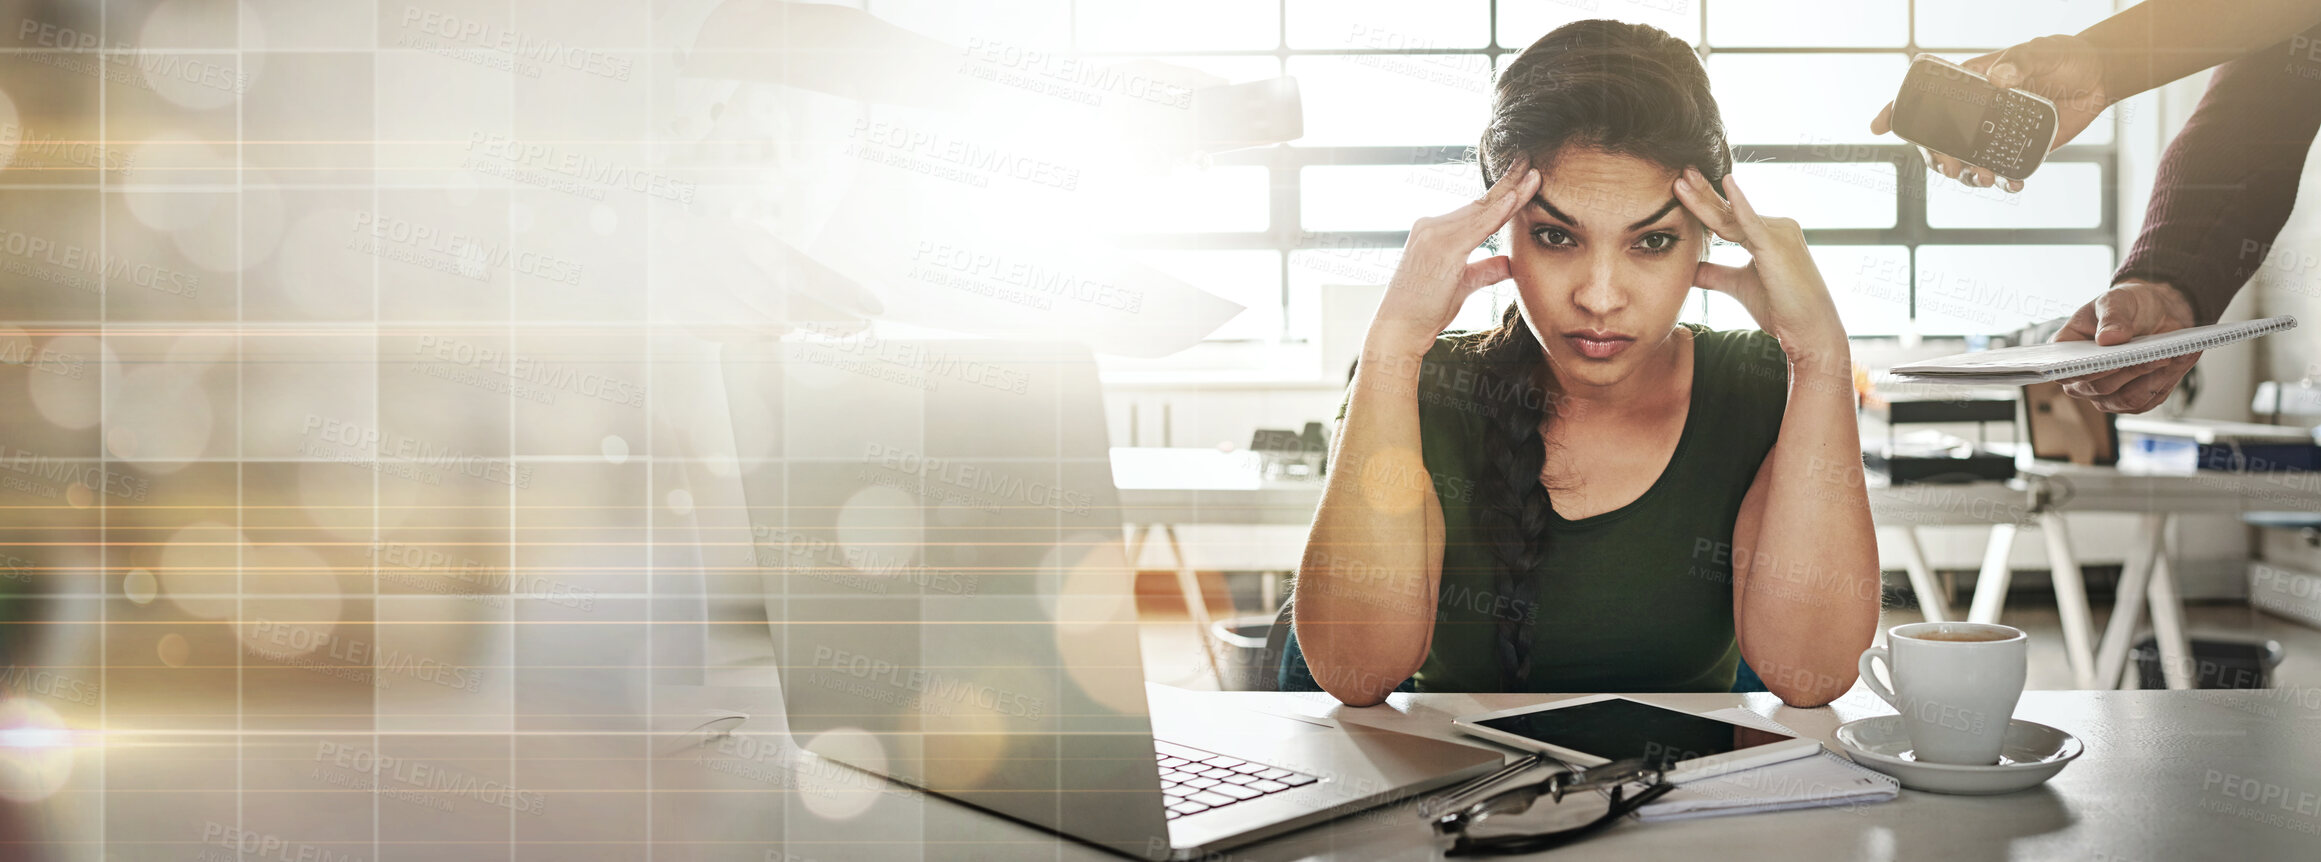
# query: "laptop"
952, 605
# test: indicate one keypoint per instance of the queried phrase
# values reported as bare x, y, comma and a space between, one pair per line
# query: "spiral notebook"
2038, 363
1823, 780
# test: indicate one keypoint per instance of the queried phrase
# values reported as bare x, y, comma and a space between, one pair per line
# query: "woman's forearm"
1365, 601
1808, 601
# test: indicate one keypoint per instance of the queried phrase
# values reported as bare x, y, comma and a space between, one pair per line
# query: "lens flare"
36, 751
832, 791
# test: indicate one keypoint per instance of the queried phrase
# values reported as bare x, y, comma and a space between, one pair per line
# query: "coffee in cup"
1955, 684
1975, 636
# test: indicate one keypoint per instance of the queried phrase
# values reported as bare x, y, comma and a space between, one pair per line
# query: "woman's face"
1603, 260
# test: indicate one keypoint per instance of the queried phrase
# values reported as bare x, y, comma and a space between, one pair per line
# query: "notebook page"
2036, 362
1825, 779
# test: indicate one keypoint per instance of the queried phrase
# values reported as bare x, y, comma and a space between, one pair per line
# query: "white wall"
2289, 282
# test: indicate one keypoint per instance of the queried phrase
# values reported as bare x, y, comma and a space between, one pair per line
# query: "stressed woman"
1593, 496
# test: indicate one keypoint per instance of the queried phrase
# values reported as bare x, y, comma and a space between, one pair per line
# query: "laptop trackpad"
1228, 724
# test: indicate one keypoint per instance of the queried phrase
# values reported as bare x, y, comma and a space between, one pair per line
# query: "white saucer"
2032, 753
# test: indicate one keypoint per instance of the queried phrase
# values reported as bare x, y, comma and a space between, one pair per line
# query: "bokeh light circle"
201, 81
835, 792
290, 601
197, 568
65, 400
160, 414
140, 586
882, 529
177, 185
173, 650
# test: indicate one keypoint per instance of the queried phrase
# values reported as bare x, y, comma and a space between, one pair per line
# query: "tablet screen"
1621, 729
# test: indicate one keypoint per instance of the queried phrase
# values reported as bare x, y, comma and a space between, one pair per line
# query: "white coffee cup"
1955, 684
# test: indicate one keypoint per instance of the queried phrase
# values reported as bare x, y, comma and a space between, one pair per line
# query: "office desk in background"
1162, 489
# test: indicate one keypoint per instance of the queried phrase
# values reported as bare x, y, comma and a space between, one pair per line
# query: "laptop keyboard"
1194, 781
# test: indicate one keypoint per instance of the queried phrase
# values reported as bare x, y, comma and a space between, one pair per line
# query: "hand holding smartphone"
1956, 112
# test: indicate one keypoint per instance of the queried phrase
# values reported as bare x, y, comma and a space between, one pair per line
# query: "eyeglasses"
1457, 812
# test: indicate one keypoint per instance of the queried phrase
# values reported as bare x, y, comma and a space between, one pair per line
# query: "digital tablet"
1598, 729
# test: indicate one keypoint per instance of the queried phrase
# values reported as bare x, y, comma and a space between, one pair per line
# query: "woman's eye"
1661, 241
1551, 235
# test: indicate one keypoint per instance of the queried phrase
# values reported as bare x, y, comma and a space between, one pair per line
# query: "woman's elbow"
1810, 697
1356, 662
1355, 695
1351, 683
1806, 687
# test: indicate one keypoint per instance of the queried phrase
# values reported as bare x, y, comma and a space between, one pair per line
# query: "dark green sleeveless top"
1637, 599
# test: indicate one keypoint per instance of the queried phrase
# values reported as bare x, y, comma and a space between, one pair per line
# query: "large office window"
1396, 92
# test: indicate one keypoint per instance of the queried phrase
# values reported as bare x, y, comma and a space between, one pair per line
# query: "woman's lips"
1598, 345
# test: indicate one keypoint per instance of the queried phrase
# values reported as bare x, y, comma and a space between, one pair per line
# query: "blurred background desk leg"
1990, 587
2111, 657
2071, 607
1933, 602
2070, 599
2168, 610
1188, 586
2147, 575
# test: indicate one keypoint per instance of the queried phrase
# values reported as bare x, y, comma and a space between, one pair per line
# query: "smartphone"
1239, 116
1951, 110
1591, 731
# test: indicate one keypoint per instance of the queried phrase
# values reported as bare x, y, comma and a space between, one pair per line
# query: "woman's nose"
1600, 294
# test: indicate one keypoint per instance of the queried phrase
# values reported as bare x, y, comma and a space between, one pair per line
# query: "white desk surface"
1205, 486
2163, 778
1183, 486
2208, 491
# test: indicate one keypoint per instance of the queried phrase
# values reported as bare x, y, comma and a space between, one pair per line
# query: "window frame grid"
1285, 163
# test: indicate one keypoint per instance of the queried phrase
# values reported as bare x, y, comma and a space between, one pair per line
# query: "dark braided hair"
1620, 88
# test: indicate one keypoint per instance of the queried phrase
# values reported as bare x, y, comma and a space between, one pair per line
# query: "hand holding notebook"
2038, 363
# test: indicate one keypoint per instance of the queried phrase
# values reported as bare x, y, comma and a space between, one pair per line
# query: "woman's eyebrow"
1656, 214
1541, 199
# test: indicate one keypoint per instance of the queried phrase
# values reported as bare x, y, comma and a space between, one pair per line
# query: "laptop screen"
941, 546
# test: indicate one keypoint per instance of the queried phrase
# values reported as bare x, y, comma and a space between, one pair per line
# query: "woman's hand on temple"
1780, 286
1434, 278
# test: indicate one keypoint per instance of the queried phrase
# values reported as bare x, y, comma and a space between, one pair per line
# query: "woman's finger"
1483, 216
1500, 188
1751, 223
1517, 195
1704, 204
1721, 278
1515, 175
1484, 273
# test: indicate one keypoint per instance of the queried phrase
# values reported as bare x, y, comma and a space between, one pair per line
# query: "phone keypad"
2015, 133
